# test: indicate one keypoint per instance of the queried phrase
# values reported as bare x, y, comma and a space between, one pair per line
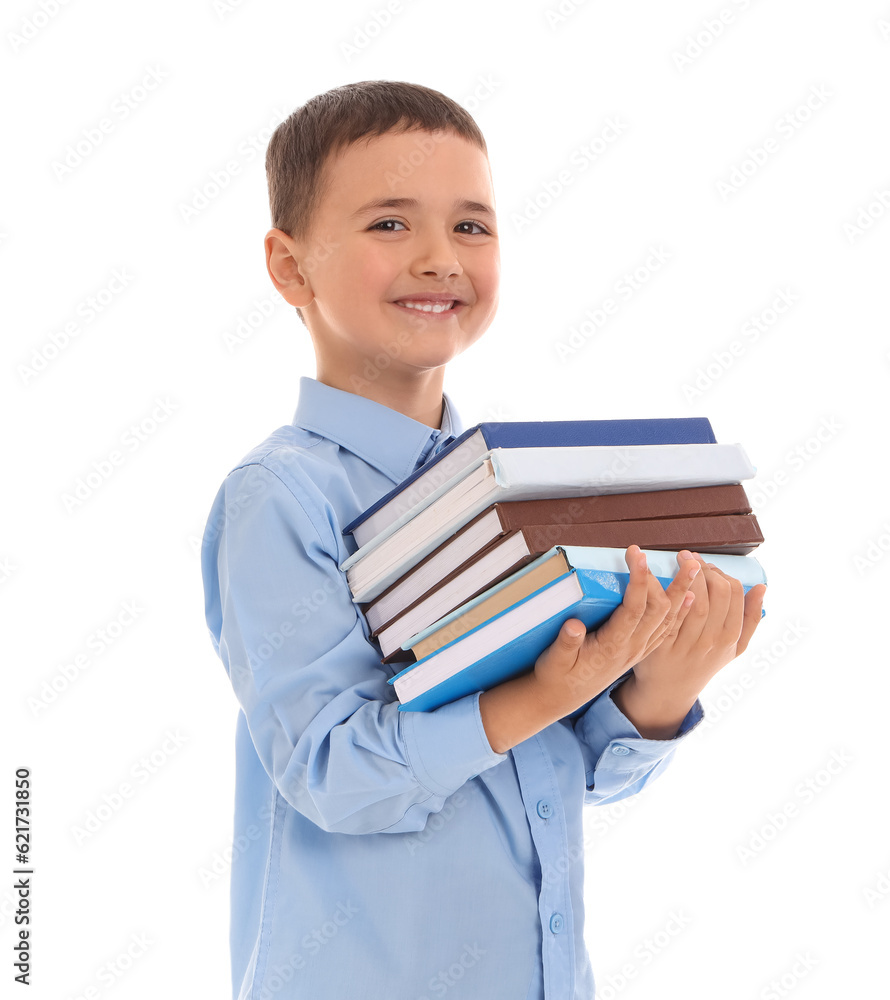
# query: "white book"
535, 474
426, 575
460, 588
440, 473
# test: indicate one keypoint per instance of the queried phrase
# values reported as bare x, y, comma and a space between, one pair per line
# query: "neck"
419, 397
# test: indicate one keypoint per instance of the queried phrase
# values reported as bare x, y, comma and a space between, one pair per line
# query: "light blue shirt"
379, 854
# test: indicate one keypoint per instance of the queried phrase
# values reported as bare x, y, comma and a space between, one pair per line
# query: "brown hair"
300, 146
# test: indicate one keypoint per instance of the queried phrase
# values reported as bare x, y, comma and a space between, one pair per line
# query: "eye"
470, 222
378, 226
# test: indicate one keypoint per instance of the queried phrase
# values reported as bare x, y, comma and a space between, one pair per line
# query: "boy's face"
401, 217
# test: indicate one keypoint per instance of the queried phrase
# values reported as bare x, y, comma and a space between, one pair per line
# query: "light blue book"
508, 644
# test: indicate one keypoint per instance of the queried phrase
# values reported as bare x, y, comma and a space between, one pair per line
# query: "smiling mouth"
429, 307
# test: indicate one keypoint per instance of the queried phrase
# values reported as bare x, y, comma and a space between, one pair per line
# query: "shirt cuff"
616, 744
448, 746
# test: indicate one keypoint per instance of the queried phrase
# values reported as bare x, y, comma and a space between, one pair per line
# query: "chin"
436, 358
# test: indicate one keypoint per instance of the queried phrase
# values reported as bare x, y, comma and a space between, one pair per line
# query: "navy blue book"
479, 440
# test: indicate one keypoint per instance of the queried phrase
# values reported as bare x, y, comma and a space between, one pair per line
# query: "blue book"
508, 644
482, 438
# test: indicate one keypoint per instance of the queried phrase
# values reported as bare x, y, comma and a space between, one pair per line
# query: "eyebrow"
461, 205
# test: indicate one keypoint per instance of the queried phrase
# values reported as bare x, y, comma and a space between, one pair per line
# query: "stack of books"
468, 568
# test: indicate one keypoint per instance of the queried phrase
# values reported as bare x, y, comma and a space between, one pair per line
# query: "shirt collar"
388, 440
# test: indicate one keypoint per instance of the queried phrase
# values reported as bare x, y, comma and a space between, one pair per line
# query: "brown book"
501, 518
736, 534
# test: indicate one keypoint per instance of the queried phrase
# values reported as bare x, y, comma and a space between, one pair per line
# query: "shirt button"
545, 810
620, 750
556, 923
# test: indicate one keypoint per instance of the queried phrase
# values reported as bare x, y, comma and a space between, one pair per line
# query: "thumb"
563, 651
570, 639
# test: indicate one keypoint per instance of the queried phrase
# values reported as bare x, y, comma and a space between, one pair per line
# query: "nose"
436, 255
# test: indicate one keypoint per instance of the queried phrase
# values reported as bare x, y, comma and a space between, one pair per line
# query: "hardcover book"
736, 534
479, 440
589, 587
535, 473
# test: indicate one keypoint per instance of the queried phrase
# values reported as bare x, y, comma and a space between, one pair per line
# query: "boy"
401, 855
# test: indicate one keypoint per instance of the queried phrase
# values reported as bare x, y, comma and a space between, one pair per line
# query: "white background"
123, 909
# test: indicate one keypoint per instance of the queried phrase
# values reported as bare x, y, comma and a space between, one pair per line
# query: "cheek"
374, 269
488, 282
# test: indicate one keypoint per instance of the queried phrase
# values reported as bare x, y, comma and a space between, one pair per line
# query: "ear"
283, 262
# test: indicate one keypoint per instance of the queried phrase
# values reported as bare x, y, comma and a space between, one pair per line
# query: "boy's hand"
576, 667
715, 630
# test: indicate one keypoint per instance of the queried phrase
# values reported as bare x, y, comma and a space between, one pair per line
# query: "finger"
627, 616
682, 583
735, 612
641, 612
722, 589
638, 585
658, 606
679, 595
561, 654
696, 615
753, 606
668, 635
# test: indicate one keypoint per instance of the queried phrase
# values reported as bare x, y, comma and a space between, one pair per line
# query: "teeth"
428, 306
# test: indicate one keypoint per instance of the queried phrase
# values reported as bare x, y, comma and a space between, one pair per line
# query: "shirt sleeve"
323, 720
618, 760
